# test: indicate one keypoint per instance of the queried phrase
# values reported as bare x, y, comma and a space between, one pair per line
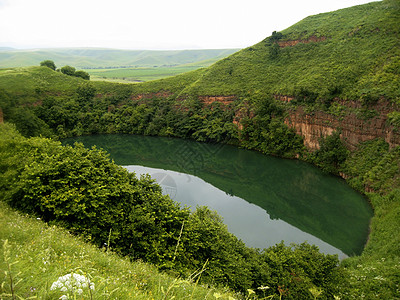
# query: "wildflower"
250, 291
217, 295
263, 287
71, 284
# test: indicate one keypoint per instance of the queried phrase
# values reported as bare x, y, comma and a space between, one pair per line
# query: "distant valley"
117, 65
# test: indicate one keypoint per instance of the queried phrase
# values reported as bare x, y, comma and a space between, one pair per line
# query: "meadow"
129, 75
34, 255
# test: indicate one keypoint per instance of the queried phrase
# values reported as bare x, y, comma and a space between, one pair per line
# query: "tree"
276, 36
48, 63
82, 74
331, 154
68, 70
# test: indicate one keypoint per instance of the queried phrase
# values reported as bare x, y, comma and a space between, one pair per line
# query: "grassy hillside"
358, 55
35, 255
88, 58
126, 75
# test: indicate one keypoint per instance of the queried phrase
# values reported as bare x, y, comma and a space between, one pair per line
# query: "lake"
263, 200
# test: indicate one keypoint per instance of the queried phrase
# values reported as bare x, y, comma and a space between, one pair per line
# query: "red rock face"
313, 126
311, 39
354, 130
160, 94
225, 100
284, 98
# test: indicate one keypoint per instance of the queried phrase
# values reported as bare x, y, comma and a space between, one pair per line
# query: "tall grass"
34, 255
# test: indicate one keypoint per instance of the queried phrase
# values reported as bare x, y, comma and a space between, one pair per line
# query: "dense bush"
331, 154
71, 71
48, 63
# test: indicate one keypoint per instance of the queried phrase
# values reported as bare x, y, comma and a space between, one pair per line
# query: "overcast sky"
152, 24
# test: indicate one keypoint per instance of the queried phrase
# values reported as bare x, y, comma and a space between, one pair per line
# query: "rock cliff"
355, 127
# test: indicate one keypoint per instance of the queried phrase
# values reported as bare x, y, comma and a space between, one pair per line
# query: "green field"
138, 74
115, 65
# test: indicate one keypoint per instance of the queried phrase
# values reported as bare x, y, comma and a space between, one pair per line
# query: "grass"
33, 255
129, 75
359, 56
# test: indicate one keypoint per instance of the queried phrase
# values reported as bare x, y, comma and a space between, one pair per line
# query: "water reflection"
247, 221
292, 192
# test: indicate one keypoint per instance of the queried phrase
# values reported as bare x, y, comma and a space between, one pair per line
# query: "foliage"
275, 36
48, 63
68, 70
394, 119
331, 154
82, 74
39, 254
374, 166
71, 71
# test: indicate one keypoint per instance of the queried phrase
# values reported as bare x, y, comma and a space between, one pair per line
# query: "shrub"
48, 63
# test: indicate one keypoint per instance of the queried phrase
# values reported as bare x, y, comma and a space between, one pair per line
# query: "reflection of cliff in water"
293, 191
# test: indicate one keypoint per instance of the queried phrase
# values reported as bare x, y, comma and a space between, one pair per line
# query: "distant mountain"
86, 58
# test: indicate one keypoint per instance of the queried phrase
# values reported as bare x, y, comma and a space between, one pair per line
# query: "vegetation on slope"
34, 255
358, 57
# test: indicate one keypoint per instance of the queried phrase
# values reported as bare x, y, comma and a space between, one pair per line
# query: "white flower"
263, 287
72, 283
64, 297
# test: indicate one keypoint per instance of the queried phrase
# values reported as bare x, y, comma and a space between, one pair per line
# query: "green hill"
353, 51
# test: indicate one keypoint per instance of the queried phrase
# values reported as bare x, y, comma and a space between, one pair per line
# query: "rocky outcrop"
316, 124
354, 129
284, 98
311, 39
147, 96
225, 100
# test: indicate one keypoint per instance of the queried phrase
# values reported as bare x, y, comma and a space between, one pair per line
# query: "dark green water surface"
262, 199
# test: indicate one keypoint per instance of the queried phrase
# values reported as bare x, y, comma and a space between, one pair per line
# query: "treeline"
83, 191
262, 127
67, 70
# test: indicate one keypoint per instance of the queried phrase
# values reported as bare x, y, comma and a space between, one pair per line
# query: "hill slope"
351, 52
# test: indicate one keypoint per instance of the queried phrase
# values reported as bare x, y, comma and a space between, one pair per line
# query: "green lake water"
263, 200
